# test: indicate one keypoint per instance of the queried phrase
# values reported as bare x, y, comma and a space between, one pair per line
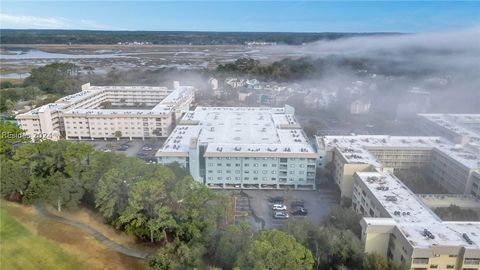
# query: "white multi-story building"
399, 226
452, 166
242, 147
102, 112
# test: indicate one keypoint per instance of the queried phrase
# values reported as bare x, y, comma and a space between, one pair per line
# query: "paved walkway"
97, 235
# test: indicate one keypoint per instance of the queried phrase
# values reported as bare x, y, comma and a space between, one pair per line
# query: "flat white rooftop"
242, 131
396, 198
355, 149
68, 104
462, 124
411, 216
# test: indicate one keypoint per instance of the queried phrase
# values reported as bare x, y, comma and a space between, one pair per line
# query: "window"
450, 266
472, 261
420, 261
434, 266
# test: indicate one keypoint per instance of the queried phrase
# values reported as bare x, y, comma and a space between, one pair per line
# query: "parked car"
279, 207
280, 215
299, 211
107, 150
123, 147
297, 204
147, 148
276, 200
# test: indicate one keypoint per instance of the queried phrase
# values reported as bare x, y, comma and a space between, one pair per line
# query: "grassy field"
29, 241
20, 249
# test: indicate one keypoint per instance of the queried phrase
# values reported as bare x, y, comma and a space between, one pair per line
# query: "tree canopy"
274, 249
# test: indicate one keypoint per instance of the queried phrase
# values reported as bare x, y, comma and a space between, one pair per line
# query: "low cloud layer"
446, 64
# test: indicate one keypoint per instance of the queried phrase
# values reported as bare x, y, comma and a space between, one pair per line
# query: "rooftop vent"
391, 198
469, 241
428, 234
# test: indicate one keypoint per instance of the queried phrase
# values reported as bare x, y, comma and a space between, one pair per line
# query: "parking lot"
317, 203
136, 148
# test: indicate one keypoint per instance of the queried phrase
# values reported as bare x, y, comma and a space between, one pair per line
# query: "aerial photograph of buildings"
264, 135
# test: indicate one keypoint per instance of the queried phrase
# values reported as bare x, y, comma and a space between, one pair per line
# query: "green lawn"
21, 249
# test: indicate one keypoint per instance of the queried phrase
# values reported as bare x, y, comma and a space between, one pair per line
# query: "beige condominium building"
103, 112
242, 147
398, 225
453, 166
459, 128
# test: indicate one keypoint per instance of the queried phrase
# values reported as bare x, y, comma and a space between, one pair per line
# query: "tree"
54, 170
98, 163
275, 250
118, 134
147, 212
333, 248
345, 219
177, 256
9, 105
14, 178
232, 241
6, 84
54, 78
198, 209
57, 190
373, 261
11, 135
299, 228
111, 197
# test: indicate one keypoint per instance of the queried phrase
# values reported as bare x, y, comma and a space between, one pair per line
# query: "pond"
18, 54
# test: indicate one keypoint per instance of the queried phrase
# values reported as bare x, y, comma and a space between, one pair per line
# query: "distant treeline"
10, 36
